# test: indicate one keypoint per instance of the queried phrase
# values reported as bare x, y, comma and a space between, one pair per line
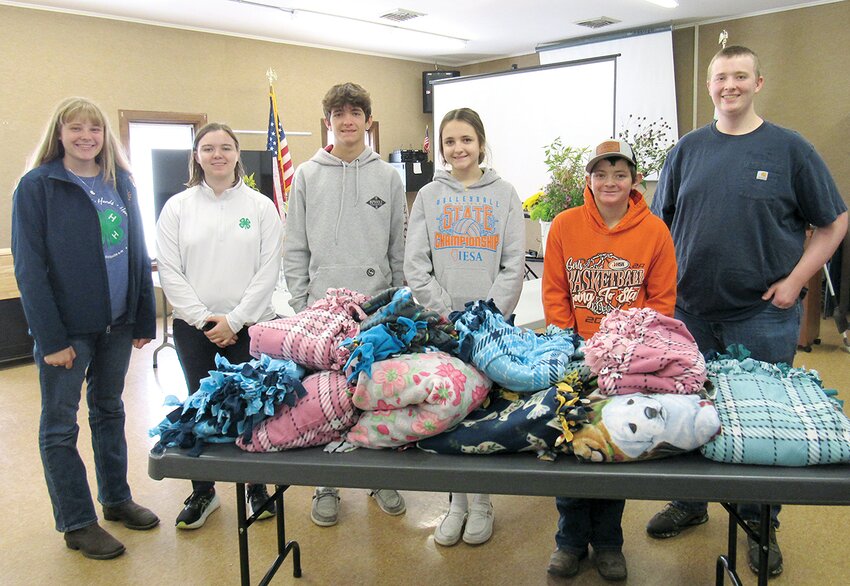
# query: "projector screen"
645, 82
524, 110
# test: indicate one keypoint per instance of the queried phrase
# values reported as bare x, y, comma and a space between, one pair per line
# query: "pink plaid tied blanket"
643, 351
318, 418
312, 338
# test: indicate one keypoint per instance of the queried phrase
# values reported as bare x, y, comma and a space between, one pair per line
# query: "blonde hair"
111, 155
196, 172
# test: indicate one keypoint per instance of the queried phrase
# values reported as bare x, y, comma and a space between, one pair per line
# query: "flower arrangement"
566, 185
250, 181
651, 141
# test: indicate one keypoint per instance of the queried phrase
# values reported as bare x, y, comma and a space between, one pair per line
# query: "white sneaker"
449, 530
479, 524
390, 501
325, 510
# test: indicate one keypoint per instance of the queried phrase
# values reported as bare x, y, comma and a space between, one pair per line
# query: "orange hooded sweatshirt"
590, 269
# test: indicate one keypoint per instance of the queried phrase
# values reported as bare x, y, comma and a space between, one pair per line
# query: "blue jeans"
102, 361
770, 336
595, 522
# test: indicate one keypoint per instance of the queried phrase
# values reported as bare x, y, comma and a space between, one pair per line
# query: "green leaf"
566, 180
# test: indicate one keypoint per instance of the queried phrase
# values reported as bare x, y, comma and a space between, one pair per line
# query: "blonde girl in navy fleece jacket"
84, 276
465, 242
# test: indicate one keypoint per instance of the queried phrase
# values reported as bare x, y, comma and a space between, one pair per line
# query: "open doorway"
143, 131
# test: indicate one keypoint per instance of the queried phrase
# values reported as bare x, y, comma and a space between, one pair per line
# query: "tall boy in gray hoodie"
345, 228
347, 213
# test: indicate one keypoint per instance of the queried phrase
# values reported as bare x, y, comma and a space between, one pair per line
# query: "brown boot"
134, 516
94, 542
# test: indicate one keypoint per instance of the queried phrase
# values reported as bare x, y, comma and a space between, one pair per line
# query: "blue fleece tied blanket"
230, 402
775, 415
395, 324
515, 358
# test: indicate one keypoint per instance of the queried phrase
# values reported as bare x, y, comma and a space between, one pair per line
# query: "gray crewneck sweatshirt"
345, 227
466, 243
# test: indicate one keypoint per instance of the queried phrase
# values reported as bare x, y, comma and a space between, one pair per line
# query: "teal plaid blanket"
775, 415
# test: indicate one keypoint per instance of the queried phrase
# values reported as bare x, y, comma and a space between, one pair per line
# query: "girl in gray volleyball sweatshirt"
466, 243
344, 228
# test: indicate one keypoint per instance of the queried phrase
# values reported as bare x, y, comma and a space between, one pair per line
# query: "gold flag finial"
724, 37
271, 76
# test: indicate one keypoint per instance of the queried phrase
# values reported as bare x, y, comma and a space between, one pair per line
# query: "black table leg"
764, 544
726, 564
242, 524
283, 547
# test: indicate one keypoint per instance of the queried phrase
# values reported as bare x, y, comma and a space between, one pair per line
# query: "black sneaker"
199, 506
774, 555
670, 521
257, 496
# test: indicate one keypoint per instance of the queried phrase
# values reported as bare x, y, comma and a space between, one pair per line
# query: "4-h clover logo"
244, 223
110, 228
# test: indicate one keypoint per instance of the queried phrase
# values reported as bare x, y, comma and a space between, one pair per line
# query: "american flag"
426, 144
283, 171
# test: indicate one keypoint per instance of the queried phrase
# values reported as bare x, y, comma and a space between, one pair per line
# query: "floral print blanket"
414, 396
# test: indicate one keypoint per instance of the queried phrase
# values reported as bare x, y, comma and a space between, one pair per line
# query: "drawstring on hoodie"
345, 166
341, 204
356, 181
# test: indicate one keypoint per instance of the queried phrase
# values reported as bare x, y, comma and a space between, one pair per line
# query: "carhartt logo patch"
761, 175
376, 202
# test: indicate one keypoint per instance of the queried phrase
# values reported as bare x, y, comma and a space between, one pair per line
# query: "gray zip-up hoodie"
466, 243
345, 227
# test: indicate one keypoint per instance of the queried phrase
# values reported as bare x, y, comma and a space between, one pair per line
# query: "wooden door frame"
125, 117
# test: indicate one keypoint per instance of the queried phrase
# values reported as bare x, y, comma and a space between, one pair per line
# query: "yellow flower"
529, 203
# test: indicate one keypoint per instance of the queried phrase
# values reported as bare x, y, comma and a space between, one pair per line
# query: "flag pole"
271, 75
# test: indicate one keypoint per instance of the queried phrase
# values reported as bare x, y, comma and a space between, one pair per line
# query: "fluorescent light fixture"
664, 3
380, 32
262, 5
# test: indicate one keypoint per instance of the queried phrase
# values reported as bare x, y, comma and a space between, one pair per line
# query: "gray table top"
687, 477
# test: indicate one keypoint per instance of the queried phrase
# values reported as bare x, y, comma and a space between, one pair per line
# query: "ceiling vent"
402, 15
600, 22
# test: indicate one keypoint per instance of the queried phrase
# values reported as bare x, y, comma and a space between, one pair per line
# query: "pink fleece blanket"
312, 338
643, 351
318, 418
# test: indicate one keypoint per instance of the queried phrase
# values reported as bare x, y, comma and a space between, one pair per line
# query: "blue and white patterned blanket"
513, 357
775, 415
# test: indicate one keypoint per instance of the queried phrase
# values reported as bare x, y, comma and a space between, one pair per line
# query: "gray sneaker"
389, 500
325, 511
670, 521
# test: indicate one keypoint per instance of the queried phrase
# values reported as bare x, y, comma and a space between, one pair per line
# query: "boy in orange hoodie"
611, 253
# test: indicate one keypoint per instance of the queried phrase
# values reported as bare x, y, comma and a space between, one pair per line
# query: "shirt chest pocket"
761, 178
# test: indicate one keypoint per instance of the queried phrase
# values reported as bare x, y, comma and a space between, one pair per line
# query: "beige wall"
521, 61
803, 57
48, 56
